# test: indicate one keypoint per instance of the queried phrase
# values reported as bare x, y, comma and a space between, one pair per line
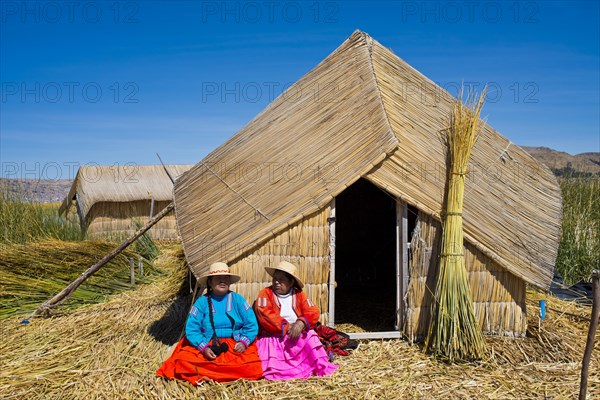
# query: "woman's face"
219, 284
282, 282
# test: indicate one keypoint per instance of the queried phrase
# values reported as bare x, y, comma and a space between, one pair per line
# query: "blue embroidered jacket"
233, 317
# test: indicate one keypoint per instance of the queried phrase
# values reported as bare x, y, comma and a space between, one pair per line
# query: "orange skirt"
189, 364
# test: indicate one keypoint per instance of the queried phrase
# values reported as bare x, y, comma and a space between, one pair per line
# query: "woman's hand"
295, 329
209, 354
240, 347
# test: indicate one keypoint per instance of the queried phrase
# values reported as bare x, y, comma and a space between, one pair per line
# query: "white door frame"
401, 273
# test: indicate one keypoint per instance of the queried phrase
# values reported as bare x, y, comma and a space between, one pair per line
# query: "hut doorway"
366, 258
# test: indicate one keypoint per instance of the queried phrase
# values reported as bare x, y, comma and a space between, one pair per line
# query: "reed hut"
112, 201
344, 174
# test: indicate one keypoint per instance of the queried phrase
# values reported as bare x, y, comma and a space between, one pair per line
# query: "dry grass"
111, 350
32, 273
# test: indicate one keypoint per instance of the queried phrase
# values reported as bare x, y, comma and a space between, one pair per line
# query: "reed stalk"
24, 221
454, 334
579, 249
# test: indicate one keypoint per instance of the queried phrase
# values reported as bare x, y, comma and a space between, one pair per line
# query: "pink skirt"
285, 358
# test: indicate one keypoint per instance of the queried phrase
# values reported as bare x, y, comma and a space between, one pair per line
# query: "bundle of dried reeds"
454, 334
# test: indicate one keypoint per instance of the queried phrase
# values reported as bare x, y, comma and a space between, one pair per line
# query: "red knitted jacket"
268, 312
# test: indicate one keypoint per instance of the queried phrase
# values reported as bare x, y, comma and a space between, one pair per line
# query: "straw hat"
216, 269
286, 267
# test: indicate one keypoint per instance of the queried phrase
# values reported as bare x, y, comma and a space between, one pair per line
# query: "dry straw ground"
111, 350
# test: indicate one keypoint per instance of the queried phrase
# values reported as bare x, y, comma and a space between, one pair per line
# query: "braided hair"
210, 309
217, 347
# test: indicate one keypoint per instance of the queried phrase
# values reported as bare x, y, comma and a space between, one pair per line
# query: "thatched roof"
364, 112
123, 183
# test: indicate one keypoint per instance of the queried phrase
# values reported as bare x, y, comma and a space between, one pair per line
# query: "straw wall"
306, 245
498, 296
117, 220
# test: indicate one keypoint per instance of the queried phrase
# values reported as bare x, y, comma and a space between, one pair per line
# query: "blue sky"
114, 82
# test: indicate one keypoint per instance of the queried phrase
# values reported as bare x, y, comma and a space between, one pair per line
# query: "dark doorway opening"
365, 258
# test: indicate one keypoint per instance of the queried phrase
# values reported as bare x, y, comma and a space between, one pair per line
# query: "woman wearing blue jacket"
219, 335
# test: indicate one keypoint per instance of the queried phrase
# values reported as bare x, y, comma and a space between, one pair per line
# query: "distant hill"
38, 190
559, 161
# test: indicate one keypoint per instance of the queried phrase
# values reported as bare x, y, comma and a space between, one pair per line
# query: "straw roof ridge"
369, 41
120, 183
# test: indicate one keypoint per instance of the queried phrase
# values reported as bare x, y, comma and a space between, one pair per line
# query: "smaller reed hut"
344, 175
112, 201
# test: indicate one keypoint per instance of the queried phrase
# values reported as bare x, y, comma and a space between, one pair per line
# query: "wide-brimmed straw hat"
216, 269
286, 267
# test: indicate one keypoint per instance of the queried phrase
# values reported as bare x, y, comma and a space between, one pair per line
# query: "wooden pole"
61, 297
131, 271
401, 262
151, 208
141, 265
591, 333
331, 294
166, 170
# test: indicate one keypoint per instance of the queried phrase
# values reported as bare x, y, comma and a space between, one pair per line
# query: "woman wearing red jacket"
287, 345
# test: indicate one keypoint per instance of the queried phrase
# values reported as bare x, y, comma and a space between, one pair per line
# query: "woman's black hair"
210, 306
290, 278
217, 347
